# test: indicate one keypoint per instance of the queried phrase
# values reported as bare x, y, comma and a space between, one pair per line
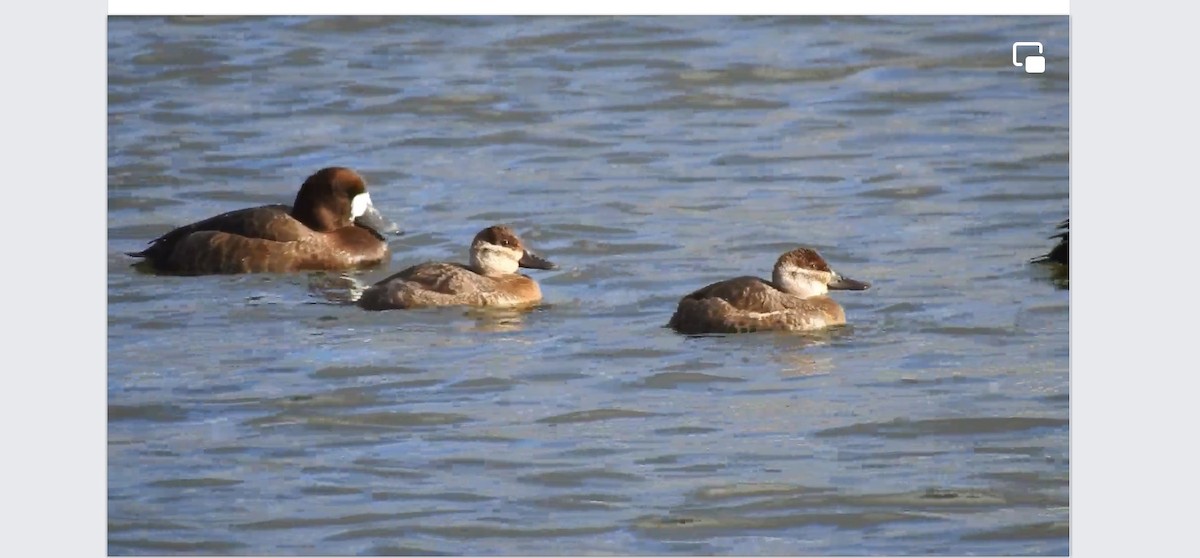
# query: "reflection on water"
800, 365
497, 319
267, 414
340, 288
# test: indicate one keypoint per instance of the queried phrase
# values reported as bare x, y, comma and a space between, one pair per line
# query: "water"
647, 157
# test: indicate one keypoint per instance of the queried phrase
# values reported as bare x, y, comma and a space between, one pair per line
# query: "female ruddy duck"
491, 279
793, 300
332, 225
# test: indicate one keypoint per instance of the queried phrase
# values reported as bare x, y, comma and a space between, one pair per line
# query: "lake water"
647, 157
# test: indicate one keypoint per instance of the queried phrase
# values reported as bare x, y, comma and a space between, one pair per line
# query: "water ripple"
646, 156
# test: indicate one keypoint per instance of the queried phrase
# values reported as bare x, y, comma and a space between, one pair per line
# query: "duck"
1060, 254
795, 299
489, 280
331, 226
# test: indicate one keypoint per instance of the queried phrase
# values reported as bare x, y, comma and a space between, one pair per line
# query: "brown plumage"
318, 232
489, 280
794, 300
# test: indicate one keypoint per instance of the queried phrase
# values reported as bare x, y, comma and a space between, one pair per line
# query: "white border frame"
1132, 145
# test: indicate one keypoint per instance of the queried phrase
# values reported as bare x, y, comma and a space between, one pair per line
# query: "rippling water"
647, 157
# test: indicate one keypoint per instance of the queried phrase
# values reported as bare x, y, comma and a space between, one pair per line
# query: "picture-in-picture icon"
1035, 64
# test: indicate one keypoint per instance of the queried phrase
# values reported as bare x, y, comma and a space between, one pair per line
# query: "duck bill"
372, 219
840, 283
533, 261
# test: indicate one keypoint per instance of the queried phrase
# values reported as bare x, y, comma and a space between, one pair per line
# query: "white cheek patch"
806, 283
495, 258
359, 205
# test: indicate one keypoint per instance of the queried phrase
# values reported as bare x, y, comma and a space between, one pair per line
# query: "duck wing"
751, 294
268, 222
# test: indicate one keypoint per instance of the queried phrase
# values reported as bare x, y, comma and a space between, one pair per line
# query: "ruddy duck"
793, 300
331, 226
491, 279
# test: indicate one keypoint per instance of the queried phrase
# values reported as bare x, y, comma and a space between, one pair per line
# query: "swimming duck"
793, 300
332, 225
1060, 254
490, 279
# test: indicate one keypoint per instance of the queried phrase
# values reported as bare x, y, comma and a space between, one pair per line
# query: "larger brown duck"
332, 225
793, 300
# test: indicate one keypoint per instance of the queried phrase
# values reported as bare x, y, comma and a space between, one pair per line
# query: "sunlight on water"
647, 157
